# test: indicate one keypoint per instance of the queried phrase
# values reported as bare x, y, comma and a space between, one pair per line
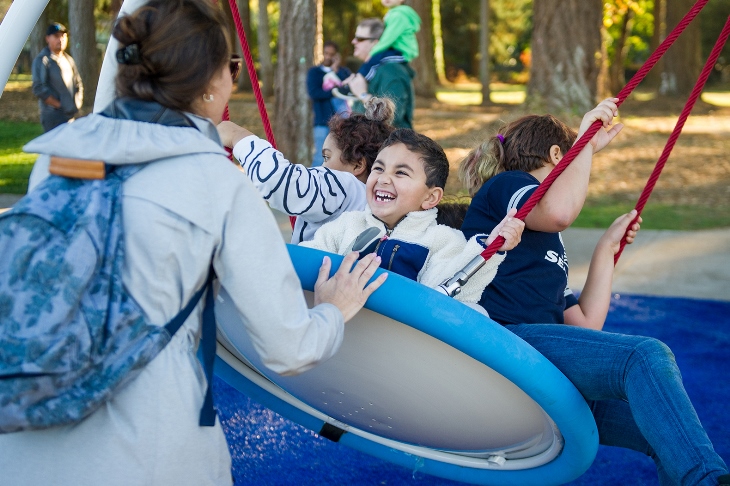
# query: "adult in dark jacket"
320, 81
393, 79
56, 81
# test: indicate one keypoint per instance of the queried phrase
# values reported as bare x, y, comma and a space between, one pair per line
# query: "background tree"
566, 55
682, 62
293, 128
484, 77
438, 42
264, 37
244, 8
425, 81
82, 45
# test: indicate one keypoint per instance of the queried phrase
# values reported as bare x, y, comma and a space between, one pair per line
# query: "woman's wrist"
364, 96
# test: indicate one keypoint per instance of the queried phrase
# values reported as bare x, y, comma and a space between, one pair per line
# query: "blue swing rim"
413, 304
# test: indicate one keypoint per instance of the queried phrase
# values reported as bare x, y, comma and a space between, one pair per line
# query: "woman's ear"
555, 154
433, 198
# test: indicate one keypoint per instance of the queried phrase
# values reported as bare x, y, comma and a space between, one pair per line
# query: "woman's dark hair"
177, 47
521, 145
435, 163
360, 136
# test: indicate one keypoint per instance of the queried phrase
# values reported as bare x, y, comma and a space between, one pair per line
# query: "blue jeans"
635, 390
320, 133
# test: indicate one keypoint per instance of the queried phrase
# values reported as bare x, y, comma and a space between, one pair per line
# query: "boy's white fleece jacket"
448, 253
316, 195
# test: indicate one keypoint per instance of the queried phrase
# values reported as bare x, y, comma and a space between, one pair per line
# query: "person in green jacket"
391, 79
397, 43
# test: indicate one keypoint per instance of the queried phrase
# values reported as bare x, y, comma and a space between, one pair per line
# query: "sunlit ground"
470, 94
510, 94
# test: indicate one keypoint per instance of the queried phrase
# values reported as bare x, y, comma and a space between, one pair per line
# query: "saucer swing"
420, 380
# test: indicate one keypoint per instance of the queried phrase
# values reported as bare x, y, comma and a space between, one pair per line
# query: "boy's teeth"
383, 196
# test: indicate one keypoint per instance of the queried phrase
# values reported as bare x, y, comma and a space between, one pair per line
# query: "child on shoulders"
397, 43
405, 185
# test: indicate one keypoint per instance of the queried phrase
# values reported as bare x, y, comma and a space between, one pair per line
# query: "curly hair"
360, 136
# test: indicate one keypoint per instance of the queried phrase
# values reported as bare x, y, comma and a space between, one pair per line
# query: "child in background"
404, 187
316, 195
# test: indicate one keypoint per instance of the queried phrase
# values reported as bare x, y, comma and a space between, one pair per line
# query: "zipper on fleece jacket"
392, 256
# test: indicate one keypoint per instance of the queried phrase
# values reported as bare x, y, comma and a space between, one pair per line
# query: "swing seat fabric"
426, 382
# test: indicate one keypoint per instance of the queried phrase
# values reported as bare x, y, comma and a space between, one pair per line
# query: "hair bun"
380, 110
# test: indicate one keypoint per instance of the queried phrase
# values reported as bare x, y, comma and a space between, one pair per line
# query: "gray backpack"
70, 334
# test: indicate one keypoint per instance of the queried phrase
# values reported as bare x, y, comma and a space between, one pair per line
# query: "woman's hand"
605, 111
348, 289
231, 134
611, 239
510, 228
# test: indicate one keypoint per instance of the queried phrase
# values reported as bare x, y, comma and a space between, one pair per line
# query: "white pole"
14, 31
105, 88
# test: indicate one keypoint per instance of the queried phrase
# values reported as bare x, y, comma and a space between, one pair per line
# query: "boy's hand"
510, 228
611, 239
231, 134
605, 111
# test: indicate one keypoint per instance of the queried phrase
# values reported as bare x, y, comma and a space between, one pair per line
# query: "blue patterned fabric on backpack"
70, 334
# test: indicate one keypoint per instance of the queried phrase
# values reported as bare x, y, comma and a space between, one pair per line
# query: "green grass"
596, 214
15, 165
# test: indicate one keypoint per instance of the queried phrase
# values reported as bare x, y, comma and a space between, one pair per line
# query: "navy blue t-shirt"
531, 285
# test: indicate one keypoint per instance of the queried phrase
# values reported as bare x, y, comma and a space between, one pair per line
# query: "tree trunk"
293, 128
566, 55
438, 43
617, 72
82, 44
244, 8
683, 61
653, 79
319, 34
37, 39
484, 51
425, 81
267, 68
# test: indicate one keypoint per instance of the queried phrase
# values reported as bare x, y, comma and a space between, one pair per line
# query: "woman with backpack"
188, 209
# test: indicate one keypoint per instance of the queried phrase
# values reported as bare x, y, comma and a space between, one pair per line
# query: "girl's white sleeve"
315, 193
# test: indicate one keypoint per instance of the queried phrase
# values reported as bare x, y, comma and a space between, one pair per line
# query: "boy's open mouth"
382, 196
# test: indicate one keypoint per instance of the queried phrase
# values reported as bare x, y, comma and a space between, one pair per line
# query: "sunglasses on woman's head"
363, 39
235, 66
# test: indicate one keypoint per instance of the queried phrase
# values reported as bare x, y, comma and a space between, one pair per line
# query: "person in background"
392, 80
56, 81
320, 81
398, 41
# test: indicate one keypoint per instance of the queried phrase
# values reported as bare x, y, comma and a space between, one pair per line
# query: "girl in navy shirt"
632, 383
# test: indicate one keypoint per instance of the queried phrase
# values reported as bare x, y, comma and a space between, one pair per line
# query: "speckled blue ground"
270, 450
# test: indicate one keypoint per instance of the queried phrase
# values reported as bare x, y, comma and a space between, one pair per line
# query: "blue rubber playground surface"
268, 449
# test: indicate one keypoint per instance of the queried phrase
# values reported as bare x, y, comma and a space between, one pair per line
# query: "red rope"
694, 96
252, 72
254, 81
586, 137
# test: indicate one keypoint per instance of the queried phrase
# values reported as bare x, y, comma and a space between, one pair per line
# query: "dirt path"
697, 174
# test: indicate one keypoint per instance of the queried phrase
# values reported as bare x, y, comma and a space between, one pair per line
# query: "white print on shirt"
555, 257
